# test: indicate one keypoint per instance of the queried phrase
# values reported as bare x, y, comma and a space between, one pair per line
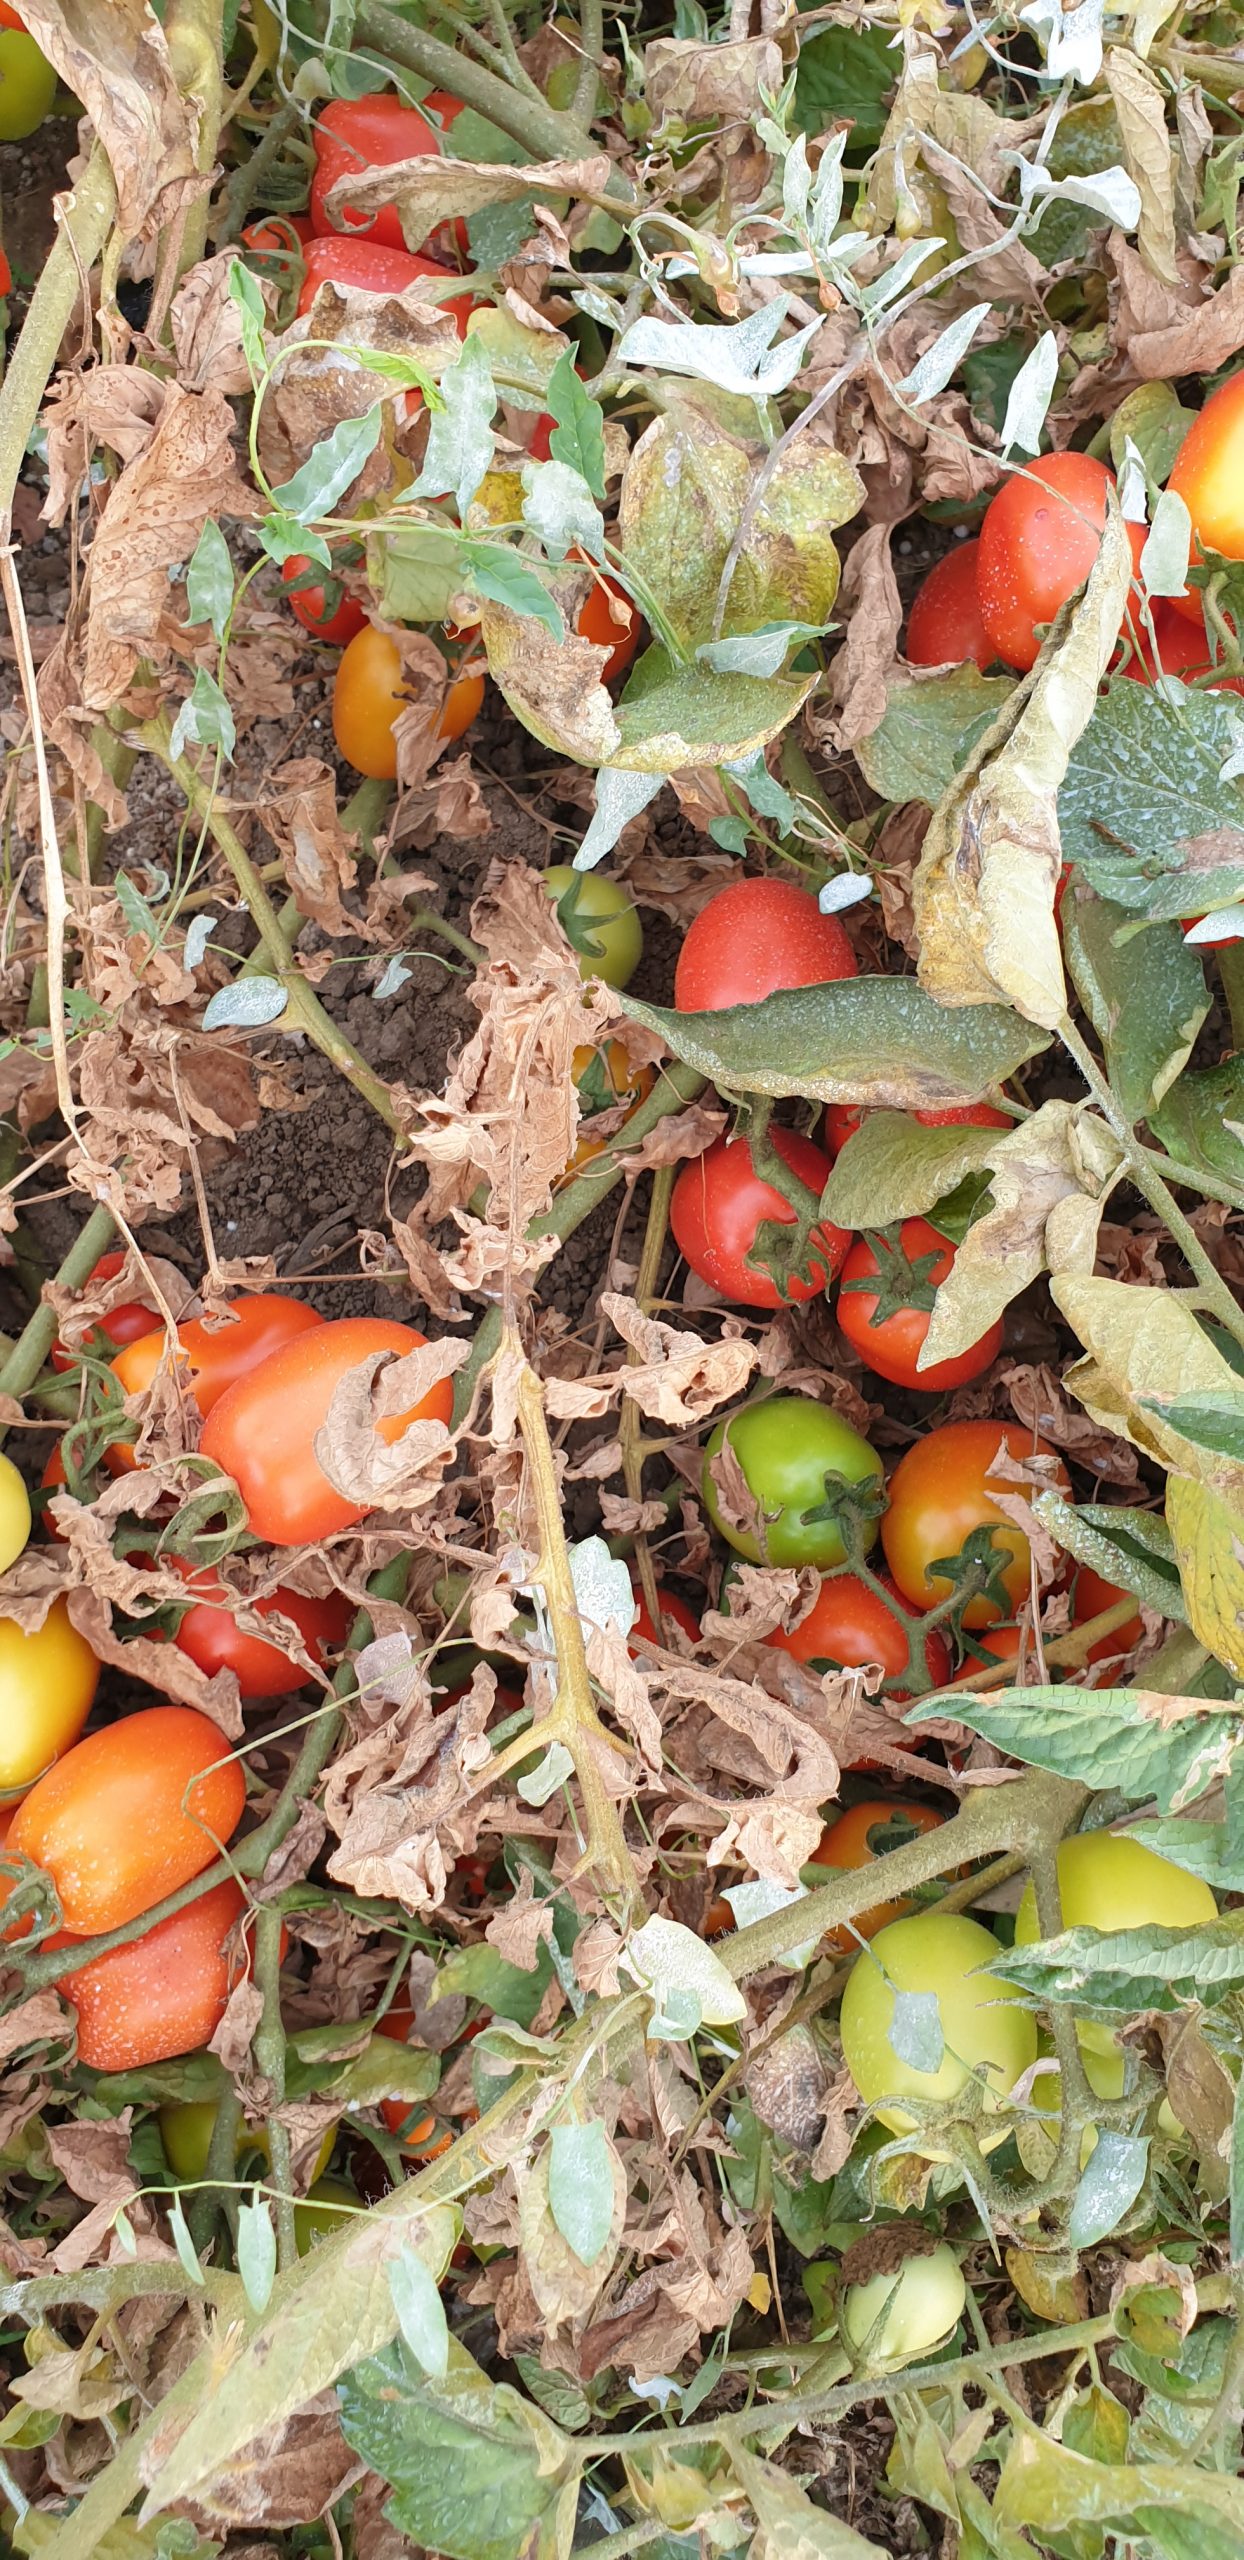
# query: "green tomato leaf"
416, 570
1142, 806
1212, 1422
499, 575
1154, 420
182, 2242
1130, 1547
846, 73
895, 1168
560, 510
209, 581
1108, 2188
247, 294
1201, 1121
508, 1989
204, 718
581, 2187
1200, 1848
1113, 1973
256, 2251
691, 717
420, 2312
478, 2473
578, 437
1102, 1737
866, 1040
246, 1005
460, 439
1145, 995
331, 467
929, 728
915, 2030
283, 538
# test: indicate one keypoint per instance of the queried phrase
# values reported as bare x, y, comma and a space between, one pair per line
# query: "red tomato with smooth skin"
842, 1119
867, 1832
309, 604
263, 1431
352, 137
371, 268
368, 701
944, 627
849, 1625
210, 1636
939, 1495
6, 276
610, 621
163, 1994
643, 1631
1090, 1594
1209, 477
126, 1323
754, 938
885, 1304
131, 1814
1183, 650
214, 1353
719, 1203
1038, 541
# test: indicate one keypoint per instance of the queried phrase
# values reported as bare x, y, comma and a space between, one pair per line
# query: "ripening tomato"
606, 1078
324, 2213
944, 627
867, 1832
610, 621
279, 235
48, 1680
1090, 1594
186, 2130
754, 938
130, 1814
600, 920
352, 137
900, 2313
14, 1522
939, 1495
849, 1625
989, 2038
163, 1994
643, 1631
213, 1353
368, 700
1182, 650
210, 1636
1108, 1881
52, 1476
27, 83
1039, 539
719, 1205
330, 613
126, 1323
374, 269
842, 1119
886, 1299
263, 1431
798, 1460
540, 448
1208, 477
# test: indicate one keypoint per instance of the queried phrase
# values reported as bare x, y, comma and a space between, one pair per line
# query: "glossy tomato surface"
1107, 1881
14, 1518
869, 1831
163, 1994
126, 1323
212, 1354
753, 938
130, 1814
325, 610
1090, 1594
885, 1306
944, 627
600, 920
210, 1636
369, 698
939, 1495
797, 1460
372, 268
353, 136
1209, 476
1182, 650
48, 1680
263, 1432
1038, 542
987, 2035
720, 1202
610, 621
27, 85
849, 1625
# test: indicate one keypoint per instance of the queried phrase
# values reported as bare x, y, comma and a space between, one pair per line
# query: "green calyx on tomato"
901, 1279
753, 1241
796, 1485
600, 922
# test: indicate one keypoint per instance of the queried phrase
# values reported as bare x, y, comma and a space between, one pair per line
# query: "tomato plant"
600, 920
842, 1119
319, 602
130, 1814
212, 1353
368, 701
721, 1206
886, 1297
163, 1994
870, 1830
944, 626
263, 1431
989, 2038
607, 1079
803, 1472
126, 1323
1207, 476
186, 2130
939, 1500
27, 83
1182, 650
1109, 1882
1039, 539
753, 938
210, 1636
1090, 1594
48, 1679
610, 621
849, 1625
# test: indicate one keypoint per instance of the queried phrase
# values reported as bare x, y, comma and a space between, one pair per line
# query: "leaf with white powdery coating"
865, 1040
1137, 1742
478, 2472
1117, 1972
928, 730
1146, 997
893, 1167
582, 2165
1143, 1345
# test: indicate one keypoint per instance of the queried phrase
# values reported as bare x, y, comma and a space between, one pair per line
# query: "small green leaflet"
578, 437
134, 908
247, 1005
1108, 2188
283, 538
755, 653
502, 578
205, 719
581, 2187
420, 2312
182, 2241
330, 467
209, 581
256, 2251
460, 439
1211, 1422
1113, 1973
245, 292
559, 507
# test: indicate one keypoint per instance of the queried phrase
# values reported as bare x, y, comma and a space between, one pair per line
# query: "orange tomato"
213, 1353
1209, 477
867, 1832
1091, 1593
610, 621
262, 1433
126, 1323
368, 700
606, 1077
164, 1994
131, 1814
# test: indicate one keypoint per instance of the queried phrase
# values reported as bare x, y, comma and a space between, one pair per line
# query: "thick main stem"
83, 229
540, 129
36, 1338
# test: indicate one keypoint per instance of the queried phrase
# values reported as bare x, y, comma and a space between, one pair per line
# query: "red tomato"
342, 261
869, 1831
368, 700
539, 449
279, 236
209, 1634
126, 1323
130, 1814
309, 604
1038, 542
263, 1431
1208, 476
842, 1119
885, 1303
162, 1995
944, 627
354, 136
1183, 650
643, 1631
720, 1202
9, 16
753, 938
998, 1644
610, 621
6, 276
939, 1495
1090, 1594
214, 1353
849, 1625
53, 1474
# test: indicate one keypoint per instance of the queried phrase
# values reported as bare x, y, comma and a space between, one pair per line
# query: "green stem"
364, 810
195, 42
631, 1427
1231, 972
222, 2152
426, 920
78, 242
592, 36
270, 2058
245, 184
540, 129
118, 761
36, 1338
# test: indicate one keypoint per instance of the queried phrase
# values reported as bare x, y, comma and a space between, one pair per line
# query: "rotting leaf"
433, 188
1143, 1345
1042, 1216
113, 55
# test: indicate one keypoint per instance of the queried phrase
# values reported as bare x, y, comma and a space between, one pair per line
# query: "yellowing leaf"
1142, 1344
1141, 109
1209, 1549
1035, 1172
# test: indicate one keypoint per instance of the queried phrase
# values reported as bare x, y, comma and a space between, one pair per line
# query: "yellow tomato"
987, 2039
1107, 1881
14, 1514
186, 2132
323, 2213
47, 1683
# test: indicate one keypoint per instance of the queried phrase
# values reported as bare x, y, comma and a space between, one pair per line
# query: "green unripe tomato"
1107, 1881
14, 1514
925, 2299
599, 917
987, 2036
186, 2132
323, 2212
794, 1454
27, 85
